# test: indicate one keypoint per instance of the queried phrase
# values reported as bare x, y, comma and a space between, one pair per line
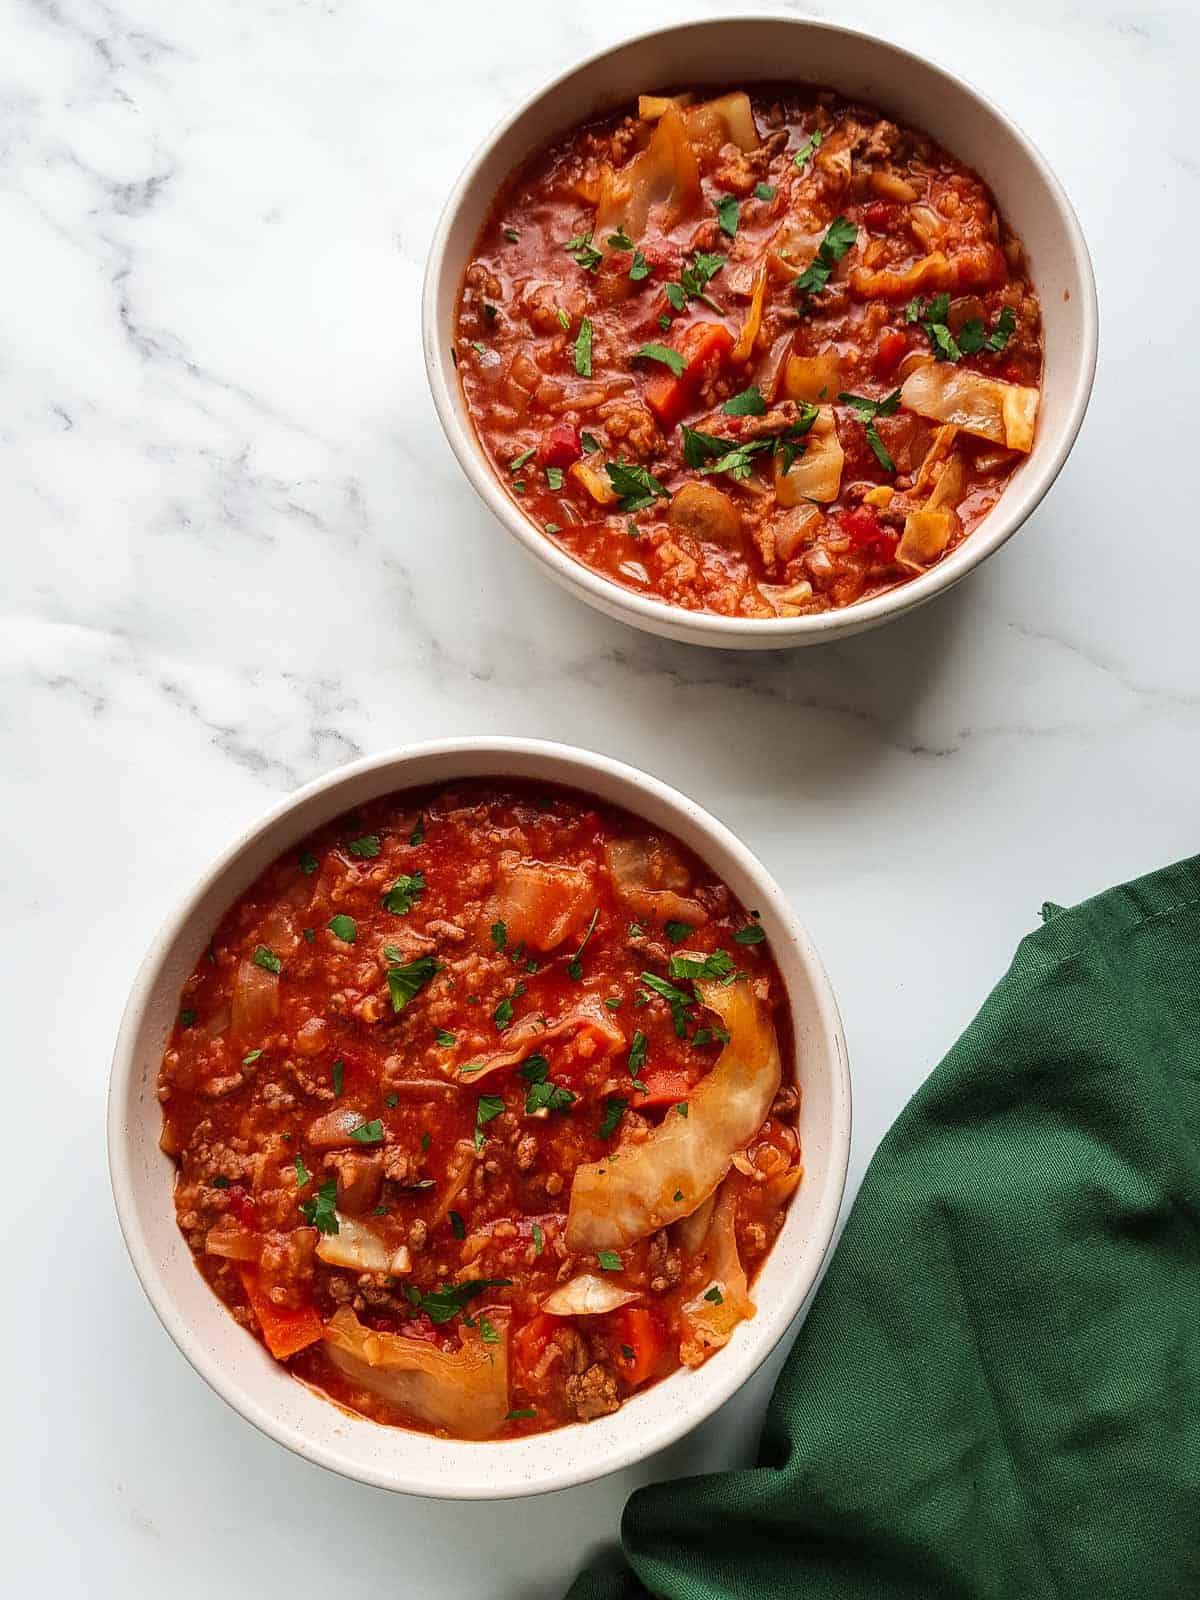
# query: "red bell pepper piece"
562, 446
868, 533
889, 352
705, 347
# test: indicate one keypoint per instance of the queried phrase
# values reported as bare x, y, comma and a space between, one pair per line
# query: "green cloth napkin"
997, 1390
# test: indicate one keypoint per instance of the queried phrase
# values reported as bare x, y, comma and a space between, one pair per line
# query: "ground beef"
592, 1393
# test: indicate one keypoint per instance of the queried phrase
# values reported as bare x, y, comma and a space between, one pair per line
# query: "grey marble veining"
239, 553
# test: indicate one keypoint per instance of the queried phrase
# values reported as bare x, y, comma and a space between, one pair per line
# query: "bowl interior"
236, 1364
910, 90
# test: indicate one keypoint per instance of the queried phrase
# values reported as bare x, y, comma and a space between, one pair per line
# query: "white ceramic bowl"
735, 50
239, 1368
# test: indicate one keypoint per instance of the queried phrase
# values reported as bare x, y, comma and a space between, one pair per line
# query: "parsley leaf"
368, 1133
678, 999
614, 1110
440, 1305
490, 1105
749, 403
409, 979
581, 249
518, 462
717, 965
609, 1260
338, 1073
187, 1018
809, 148
619, 240
542, 1094
308, 863
404, 893
727, 214
677, 932
343, 928
321, 1211
700, 447
765, 191
503, 1014
752, 933
714, 1294
457, 1226
417, 836
1003, 330
839, 236
637, 1053
267, 959
589, 443
302, 1173
639, 267
539, 1239
486, 1332
637, 487
499, 935
511, 235
575, 965
866, 411
583, 348
440, 1036
660, 352
520, 1416
366, 848
554, 478
250, 1056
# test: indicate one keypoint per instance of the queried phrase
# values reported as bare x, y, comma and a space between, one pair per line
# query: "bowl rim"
726, 1376
1035, 475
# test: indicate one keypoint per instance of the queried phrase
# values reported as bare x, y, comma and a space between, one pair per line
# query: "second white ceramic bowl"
749, 50
237, 1365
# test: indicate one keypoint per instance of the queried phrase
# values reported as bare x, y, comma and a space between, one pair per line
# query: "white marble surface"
238, 553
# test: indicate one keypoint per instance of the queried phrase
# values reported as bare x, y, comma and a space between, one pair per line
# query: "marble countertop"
239, 552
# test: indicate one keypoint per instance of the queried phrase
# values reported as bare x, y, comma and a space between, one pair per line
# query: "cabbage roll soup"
761, 354
483, 1107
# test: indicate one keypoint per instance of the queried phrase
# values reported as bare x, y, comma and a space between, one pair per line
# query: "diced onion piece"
359, 1248
880, 496
891, 187
817, 474
726, 120
464, 1391
927, 275
332, 1129
531, 1033
228, 1238
1005, 413
651, 879
799, 525
943, 443
947, 491
652, 106
711, 1321
542, 903
812, 378
587, 1295
665, 171
614, 1202
744, 348
926, 535
255, 998
787, 599
599, 488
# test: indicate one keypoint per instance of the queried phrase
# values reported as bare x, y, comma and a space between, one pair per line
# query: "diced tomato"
705, 347
889, 352
636, 1330
284, 1331
868, 533
562, 446
664, 1087
879, 216
243, 1206
531, 1340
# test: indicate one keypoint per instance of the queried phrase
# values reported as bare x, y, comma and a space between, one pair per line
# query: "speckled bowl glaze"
910, 89
239, 1368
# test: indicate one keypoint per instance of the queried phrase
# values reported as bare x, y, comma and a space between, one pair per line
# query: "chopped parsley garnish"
539, 1239
542, 1094
417, 836
503, 1014
619, 240
250, 1057
338, 1073
310, 936
636, 931
974, 337
727, 214
426, 1141
809, 148
443, 1038
518, 462
714, 1294
521, 1416
677, 932
614, 1110
344, 928
682, 1108
752, 933
589, 443
866, 411
499, 935
564, 320
409, 978
609, 1260
302, 1173
664, 321
552, 527
320, 1212
1002, 330
583, 348
490, 311
678, 999
490, 1105
639, 267
366, 848
584, 253
223, 1183
457, 1226
392, 1099
660, 352
187, 1018
575, 965
717, 965
486, 1332
368, 1133
637, 1053
932, 314
440, 1305
308, 863
479, 347
511, 235
267, 959
380, 1211
678, 1195
554, 478
637, 487
749, 403
404, 893
765, 191
709, 453
839, 236
613, 1002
